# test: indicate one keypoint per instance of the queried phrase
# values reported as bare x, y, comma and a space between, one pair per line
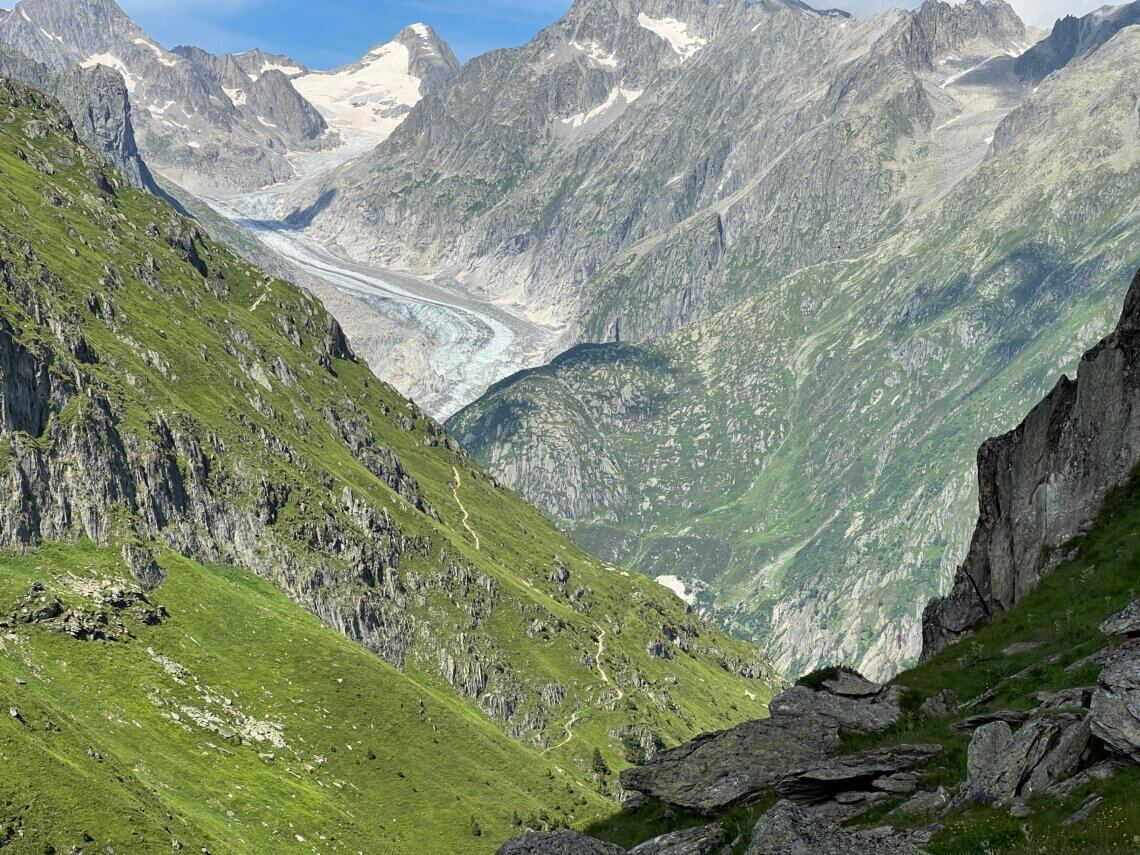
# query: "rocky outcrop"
557, 843
96, 99
873, 768
1074, 37
717, 770
1043, 483
1115, 714
703, 840
788, 829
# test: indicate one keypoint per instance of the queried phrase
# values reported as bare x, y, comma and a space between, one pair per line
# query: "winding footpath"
611, 703
463, 510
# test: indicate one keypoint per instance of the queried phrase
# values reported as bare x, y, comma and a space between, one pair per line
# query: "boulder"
928, 801
1086, 809
557, 843
1010, 717
852, 772
717, 770
787, 829
986, 745
940, 705
703, 840
1115, 711
1126, 622
1042, 753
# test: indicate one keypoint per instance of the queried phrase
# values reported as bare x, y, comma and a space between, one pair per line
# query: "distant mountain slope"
190, 128
1019, 733
96, 100
620, 171
162, 398
802, 459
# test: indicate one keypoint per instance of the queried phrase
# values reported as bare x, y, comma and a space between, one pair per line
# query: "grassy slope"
518, 545
1063, 616
395, 778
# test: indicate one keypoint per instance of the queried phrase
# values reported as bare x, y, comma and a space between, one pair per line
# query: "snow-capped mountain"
375, 94
189, 127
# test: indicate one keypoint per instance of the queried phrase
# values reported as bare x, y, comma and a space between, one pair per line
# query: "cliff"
1043, 483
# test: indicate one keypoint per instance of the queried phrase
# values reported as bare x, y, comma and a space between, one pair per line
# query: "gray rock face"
788, 829
1115, 711
718, 770
986, 744
557, 843
1125, 622
1044, 482
1004, 767
854, 772
1073, 37
430, 58
704, 840
96, 100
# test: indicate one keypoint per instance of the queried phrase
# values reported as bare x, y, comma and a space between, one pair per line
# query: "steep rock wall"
1044, 482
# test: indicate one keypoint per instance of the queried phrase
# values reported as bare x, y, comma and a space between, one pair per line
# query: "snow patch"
597, 53
373, 96
235, 95
287, 70
678, 587
111, 61
625, 96
158, 52
675, 32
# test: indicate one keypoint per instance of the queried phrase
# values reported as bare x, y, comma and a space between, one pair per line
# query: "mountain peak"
430, 58
937, 28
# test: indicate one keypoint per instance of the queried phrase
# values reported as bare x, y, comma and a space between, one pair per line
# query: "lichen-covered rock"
852, 772
1125, 622
703, 840
717, 770
557, 843
1115, 711
1042, 753
986, 744
788, 829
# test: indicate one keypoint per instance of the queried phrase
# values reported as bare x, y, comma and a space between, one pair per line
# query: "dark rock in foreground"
717, 770
557, 843
788, 829
1044, 482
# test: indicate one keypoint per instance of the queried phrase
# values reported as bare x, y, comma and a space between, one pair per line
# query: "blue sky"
329, 33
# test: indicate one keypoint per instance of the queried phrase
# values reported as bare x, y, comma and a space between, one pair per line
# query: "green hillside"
165, 403
1054, 629
804, 458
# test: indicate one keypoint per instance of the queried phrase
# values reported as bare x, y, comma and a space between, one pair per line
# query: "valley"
704, 427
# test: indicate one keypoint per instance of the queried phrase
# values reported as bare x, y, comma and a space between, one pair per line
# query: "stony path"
574, 719
466, 516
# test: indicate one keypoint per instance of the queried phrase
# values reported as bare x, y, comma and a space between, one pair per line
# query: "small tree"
598, 764
476, 830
